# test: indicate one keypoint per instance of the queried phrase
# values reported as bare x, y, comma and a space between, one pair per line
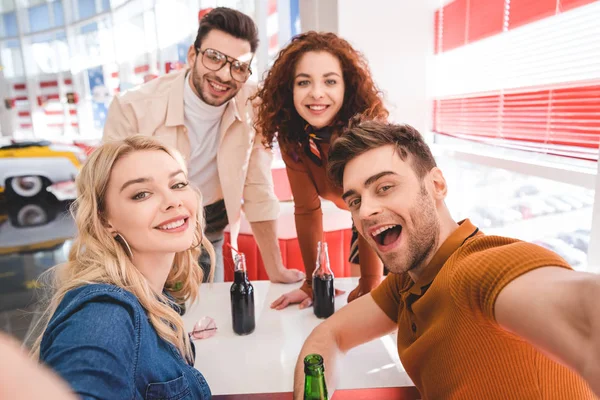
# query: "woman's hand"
365, 285
285, 275
295, 297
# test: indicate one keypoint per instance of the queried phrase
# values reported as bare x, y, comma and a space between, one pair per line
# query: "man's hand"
359, 322
295, 297
365, 285
285, 275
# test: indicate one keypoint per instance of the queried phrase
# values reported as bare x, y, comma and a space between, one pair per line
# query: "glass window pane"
87, 8
93, 45
59, 16
105, 5
9, 24
552, 214
7, 5
12, 61
39, 19
91, 27
133, 30
47, 53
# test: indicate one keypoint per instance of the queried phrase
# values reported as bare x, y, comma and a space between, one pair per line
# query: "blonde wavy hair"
96, 257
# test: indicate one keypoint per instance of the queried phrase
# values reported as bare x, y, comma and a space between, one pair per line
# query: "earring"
121, 239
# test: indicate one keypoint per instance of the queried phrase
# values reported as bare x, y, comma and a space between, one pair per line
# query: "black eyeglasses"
215, 60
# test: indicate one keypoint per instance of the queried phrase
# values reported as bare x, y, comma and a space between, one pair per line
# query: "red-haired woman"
316, 85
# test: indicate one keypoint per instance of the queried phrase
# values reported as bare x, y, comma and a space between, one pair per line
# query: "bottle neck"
240, 276
323, 267
315, 388
315, 371
240, 267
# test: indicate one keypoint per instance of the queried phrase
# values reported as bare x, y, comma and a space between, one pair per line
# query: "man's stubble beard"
198, 80
423, 241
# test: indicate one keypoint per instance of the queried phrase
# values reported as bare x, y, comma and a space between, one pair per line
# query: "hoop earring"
201, 238
121, 239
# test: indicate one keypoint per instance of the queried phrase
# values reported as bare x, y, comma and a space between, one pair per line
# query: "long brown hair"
277, 116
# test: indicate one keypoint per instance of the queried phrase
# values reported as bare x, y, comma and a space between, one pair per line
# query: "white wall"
319, 15
397, 37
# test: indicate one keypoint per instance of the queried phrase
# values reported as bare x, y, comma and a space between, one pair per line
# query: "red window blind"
522, 12
535, 88
485, 18
453, 20
565, 5
437, 32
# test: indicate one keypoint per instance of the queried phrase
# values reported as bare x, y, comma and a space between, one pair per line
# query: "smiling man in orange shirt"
477, 316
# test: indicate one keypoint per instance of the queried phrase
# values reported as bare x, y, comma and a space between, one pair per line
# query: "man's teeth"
317, 108
382, 229
172, 225
218, 87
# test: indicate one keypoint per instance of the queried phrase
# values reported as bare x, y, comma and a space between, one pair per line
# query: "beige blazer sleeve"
260, 202
121, 121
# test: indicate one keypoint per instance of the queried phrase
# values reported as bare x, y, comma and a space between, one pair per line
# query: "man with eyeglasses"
205, 113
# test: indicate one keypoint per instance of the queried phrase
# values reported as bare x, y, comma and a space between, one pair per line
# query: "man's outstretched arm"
359, 322
556, 310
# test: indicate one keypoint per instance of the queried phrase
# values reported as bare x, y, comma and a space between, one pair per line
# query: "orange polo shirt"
448, 339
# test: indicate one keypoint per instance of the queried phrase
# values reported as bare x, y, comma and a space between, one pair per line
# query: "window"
533, 85
59, 16
10, 52
8, 24
39, 18
94, 45
7, 5
554, 215
47, 53
87, 8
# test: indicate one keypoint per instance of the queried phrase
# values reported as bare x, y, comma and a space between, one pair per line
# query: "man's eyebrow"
370, 180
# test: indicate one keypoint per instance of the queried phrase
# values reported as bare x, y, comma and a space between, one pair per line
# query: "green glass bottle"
314, 378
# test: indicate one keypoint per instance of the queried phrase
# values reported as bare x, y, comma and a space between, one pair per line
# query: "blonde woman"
113, 330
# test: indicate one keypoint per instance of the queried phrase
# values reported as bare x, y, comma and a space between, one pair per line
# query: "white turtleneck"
203, 122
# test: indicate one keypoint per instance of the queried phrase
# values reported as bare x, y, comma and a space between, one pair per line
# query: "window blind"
520, 73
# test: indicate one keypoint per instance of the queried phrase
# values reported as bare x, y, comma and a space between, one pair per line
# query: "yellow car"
29, 169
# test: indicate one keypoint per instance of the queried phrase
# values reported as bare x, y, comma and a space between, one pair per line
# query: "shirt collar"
465, 231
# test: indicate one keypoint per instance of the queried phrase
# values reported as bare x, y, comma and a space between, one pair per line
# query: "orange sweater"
448, 340
309, 182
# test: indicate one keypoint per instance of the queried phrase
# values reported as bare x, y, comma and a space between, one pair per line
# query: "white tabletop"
264, 361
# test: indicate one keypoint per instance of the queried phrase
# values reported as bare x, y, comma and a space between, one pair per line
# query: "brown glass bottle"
323, 290
242, 299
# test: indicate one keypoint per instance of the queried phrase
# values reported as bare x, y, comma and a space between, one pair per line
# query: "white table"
264, 361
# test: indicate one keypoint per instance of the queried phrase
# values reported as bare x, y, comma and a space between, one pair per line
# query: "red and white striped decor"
273, 28
520, 73
57, 116
21, 102
112, 79
71, 116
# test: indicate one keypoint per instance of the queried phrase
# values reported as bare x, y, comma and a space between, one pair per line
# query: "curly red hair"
276, 114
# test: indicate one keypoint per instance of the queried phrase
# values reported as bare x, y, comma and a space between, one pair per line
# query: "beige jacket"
244, 164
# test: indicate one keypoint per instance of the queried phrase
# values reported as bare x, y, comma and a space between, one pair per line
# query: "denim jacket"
101, 342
